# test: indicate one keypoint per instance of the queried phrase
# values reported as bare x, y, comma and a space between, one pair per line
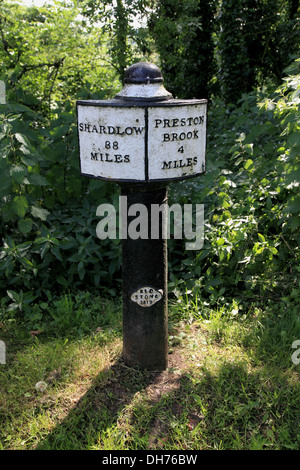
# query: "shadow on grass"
231, 409
98, 410
224, 405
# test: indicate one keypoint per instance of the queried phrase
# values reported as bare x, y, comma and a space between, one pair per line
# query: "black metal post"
142, 139
145, 327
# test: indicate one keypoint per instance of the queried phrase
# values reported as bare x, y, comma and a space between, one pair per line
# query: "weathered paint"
154, 91
176, 141
145, 264
155, 142
112, 142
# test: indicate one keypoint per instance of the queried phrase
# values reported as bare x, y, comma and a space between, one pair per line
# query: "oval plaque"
146, 296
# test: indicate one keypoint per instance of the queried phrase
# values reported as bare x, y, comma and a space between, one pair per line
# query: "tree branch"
4, 41
28, 68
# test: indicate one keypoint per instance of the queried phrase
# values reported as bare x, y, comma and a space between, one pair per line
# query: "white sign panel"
112, 142
142, 143
176, 141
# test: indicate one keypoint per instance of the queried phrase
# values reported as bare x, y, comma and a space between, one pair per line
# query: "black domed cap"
143, 73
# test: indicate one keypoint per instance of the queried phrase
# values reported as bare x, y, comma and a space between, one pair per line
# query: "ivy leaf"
37, 180
293, 206
39, 212
25, 225
248, 164
20, 205
18, 173
22, 139
28, 161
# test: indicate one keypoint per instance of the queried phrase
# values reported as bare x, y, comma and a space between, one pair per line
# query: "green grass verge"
231, 382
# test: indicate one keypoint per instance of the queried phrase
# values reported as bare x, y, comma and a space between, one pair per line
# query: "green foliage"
128, 42
44, 238
45, 53
241, 290
231, 383
251, 248
183, 35
228, 47
48, 224
257, 40
62, 253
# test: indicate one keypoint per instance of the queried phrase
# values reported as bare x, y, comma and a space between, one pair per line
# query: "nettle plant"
48, 239
251, 198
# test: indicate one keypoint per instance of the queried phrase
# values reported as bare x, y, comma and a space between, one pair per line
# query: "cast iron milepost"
142, 139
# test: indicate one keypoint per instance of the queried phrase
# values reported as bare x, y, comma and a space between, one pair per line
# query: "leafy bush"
48, 224
251, 197
48, 243
250, 194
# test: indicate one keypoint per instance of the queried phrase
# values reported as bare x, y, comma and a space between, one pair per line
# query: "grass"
230, 383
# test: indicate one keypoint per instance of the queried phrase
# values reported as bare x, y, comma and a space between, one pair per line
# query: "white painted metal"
146, 91
147, 296
176, 141
150, 142
112, 142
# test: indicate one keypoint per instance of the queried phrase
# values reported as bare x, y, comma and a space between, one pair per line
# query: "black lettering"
138, 130
111, 129
166, 122
107, 159
166, 165
189, 162
102, 130
157, 122
166, 138
87, 127
128, 130
81, 126
195, 160
126, 158
118, 158
182, 136
174, 137
195, 134
94, 156
182, 122
175, 122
